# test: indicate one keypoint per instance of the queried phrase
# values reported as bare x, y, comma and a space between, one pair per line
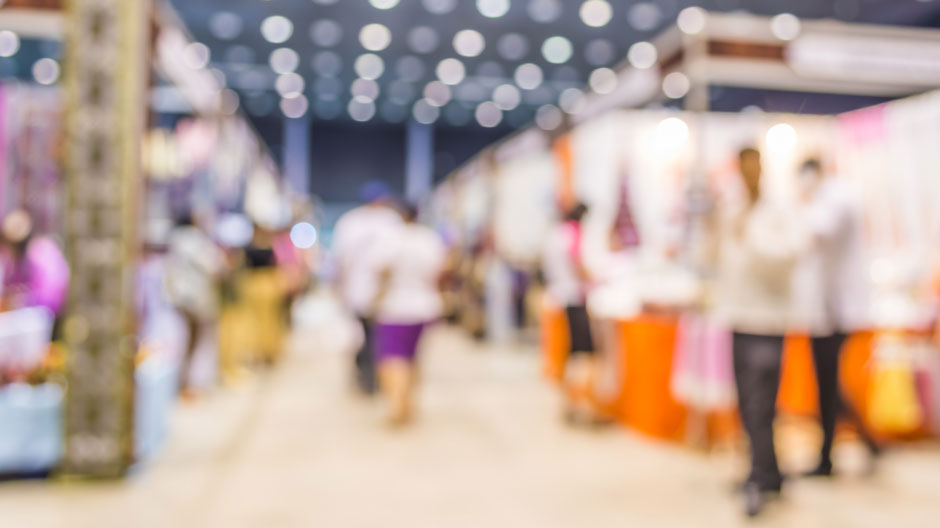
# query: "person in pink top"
34, 269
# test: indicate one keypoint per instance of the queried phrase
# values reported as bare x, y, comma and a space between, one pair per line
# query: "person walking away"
357, 233
193, 267
832, 295
568, 280
760, 240
263, 288
412, 263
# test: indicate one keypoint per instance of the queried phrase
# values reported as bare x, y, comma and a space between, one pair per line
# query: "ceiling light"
375, 37
672, 130
785, 26
284, 60
692, 20
488, 114
644, 16
289, 84
326, 33
365, 89
327, 63
294, 107
603, 80
46, 71
781, 138
676, 85
469, 43
423, 39
369, 66
439, 7
425, 112
451, 71
599, 52
548, 117
383, 4
642, 55
544, 11
437, 93
225, 25
528, 76
557, 50
9, 43
303, 235
596, 13
513, 46
493, 8
506, 97
277, 29
361, 110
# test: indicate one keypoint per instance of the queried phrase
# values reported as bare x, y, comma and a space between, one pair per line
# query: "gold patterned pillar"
106, 71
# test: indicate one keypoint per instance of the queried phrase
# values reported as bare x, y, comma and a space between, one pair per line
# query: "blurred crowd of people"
234, 280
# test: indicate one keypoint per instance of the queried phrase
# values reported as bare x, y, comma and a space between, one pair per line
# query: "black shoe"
756, 499
741, 486
822, 470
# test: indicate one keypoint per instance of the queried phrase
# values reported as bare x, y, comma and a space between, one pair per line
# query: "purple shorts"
397, 341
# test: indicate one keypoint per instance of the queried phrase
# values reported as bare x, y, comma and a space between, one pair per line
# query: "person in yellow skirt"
253, 325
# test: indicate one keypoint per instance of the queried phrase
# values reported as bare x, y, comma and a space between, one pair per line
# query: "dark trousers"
757, 360
826, 353
365, 360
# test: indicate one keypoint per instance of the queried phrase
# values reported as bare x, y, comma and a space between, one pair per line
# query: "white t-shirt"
355, 239
414, 257
565, 285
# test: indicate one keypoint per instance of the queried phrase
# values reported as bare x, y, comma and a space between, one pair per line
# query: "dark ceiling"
240, 51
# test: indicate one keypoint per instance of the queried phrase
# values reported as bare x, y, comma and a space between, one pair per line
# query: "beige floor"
296, 449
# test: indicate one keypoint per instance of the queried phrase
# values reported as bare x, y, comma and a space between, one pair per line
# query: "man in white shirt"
357, 234
831, 293
760, 241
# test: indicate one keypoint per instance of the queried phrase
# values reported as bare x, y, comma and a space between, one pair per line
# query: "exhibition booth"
198, 153
650, 178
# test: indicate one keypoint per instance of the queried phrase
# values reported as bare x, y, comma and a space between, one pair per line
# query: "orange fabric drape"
646, 402
798, 394
554, 334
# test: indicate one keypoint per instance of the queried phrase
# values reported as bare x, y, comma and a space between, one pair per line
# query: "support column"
297, 154
419, 162
106, 68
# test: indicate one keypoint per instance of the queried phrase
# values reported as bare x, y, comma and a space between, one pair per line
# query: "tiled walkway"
295, 448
